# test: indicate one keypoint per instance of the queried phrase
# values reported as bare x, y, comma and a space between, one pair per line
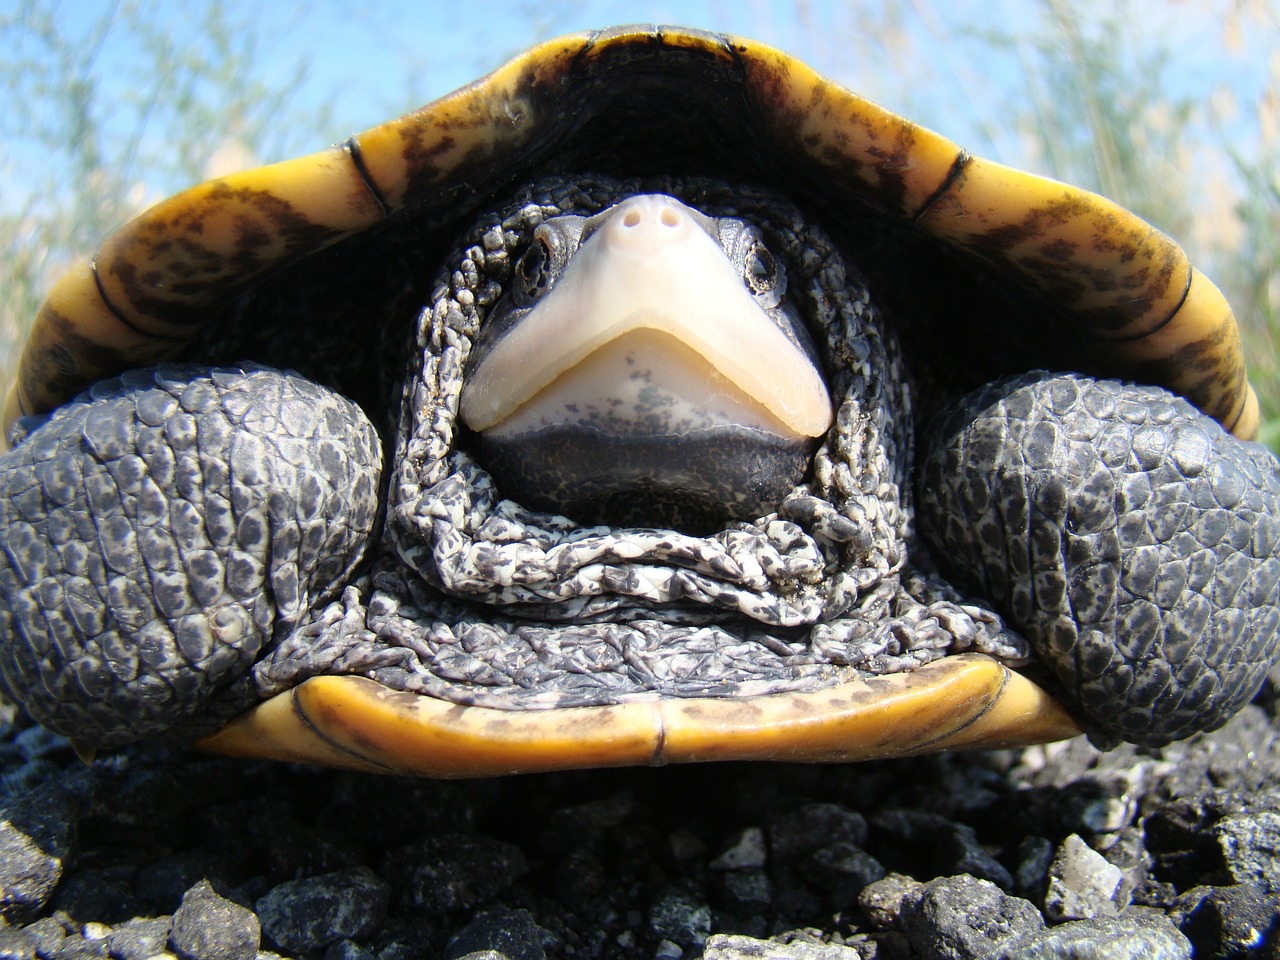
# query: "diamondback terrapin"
650, 399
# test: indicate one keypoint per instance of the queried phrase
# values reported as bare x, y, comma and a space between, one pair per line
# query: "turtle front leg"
157, 533
1133, 541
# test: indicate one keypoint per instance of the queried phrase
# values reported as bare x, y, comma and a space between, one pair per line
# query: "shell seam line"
1133, 338
660, 741
115, 312
739, 65
352, 146
579, 55
991, 702
958, 166
306, 722
1230, 427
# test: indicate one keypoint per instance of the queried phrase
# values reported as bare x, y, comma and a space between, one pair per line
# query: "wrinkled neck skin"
799, 596
449, 521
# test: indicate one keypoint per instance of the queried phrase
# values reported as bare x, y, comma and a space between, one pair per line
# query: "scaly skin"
161, 536
1133, 541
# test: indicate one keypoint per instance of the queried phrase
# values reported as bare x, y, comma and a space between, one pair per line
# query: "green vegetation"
1103, 102
108, 112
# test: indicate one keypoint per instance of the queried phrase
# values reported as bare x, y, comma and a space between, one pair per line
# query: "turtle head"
646, 360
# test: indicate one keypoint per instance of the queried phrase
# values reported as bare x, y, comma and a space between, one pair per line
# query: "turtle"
650, 399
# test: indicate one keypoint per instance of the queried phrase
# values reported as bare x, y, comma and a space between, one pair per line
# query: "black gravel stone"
1250, 845
37, 836
669, 860
1034, 857
208, 926
453, 872
104, 894
17, 945
1105, 938
728, 947
317, 911
347, 950
746, 890
498, 935
933, 845
963, 918
680, 917
841, 870
1231, 922
140, 939
812, 825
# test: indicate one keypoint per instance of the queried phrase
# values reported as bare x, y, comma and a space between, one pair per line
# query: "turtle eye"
760, 270
533, 271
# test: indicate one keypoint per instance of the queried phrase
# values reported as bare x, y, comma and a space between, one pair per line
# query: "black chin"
693, 482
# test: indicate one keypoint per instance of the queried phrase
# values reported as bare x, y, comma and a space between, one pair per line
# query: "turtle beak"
648, 365
651, 269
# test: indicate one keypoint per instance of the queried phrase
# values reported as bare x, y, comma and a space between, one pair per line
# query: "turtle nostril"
631, 219
669, 217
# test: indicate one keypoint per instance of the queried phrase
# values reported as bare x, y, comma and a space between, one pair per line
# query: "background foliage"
1172, 109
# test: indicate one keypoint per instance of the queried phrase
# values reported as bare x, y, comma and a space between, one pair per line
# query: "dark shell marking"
1122, 285
949, 241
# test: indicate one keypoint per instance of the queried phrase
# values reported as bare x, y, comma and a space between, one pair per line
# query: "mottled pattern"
789, 600
736, 109
160, 533
134, 588
1134, 542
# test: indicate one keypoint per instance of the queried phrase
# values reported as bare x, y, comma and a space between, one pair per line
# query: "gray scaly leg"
160, 531
1133, 541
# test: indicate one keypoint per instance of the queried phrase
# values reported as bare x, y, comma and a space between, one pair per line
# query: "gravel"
1058, 851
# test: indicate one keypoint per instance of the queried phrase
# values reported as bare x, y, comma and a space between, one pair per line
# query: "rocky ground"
1049, 852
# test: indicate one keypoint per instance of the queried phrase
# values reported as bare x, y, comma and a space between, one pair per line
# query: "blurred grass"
1101, 105
101, 138
1088, 92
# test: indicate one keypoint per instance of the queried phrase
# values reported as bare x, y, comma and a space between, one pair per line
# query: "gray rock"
37, 836
1236, 921
722, 946
448, 872
1083, 884
749, 889
944, 847
314, 912
140, 939
1104, 938
1035, 856
680, 917
17, 944
881, 901
1250, 845
77, 947
48, 934
746, 852
963, 918
841, 870
347, 950
799, 832
498, 935
207, 926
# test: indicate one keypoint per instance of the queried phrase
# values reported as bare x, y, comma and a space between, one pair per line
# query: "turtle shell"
1084, 284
